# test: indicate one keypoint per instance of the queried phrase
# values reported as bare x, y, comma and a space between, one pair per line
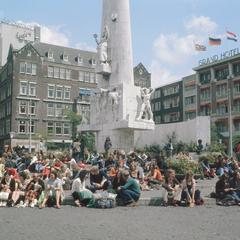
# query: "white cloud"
201, 24
51, 34
161, 76
174, 55
173, 49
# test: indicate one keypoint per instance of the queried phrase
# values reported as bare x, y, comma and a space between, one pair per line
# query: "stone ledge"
152, 201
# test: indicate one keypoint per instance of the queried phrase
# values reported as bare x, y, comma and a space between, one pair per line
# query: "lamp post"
230, 121
11, 134
30, 123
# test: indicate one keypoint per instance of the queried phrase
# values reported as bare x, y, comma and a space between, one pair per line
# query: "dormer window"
50, 54
65, 57
93, 61
79, 59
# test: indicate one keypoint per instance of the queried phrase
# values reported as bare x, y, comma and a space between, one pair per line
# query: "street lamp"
11, 134
230, 121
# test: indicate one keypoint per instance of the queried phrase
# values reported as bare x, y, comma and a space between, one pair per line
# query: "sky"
163, 31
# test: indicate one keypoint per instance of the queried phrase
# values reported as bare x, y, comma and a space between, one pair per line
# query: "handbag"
85, 194
4, 196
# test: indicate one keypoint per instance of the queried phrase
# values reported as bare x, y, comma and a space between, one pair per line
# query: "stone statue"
146, 105
102, 46
107, 145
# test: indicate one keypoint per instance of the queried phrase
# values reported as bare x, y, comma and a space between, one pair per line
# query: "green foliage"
215, 134
217, 147
75, 120
88, 140
181, 166
152, 149
236, 140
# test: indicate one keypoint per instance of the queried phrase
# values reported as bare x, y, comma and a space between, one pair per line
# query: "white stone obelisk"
117, 102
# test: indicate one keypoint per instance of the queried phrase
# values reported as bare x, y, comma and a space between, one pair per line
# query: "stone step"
152, 201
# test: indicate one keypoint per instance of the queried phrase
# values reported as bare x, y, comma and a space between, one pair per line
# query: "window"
190, 100
32, 127
8, 108
205, 110
32, 108
29, 53
237, 88
28, 68
92, 78
22, 67
87, 76
8, 125
23, 88
59, 110
236, 69
67, 92
50, 128
221, 90
205, 77
171, 90
50, 71
190, 115
172, 117
56, 72
171, 102
22, 126
50, 109
66, 128
51, 91
50, 54
157, 106
62, 73
58, 128
32, 89
79, 60
81, 76
221, 74
222, 108
68, 74
157, 94
34, 69
205, 94
22, 107
65, 57
93, 61
59, 92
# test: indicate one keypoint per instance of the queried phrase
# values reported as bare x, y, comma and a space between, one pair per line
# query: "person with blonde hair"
171, 189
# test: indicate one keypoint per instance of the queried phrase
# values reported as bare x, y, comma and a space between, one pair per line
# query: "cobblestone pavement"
140, 223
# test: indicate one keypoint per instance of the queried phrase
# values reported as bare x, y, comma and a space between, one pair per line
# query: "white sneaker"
31, 205
1, 203
4, 204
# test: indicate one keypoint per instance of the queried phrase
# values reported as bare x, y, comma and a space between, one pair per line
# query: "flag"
214, 41
199, 47
231, 36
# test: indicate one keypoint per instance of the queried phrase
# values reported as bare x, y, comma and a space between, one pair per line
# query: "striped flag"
231, 36
214, 41
199, 47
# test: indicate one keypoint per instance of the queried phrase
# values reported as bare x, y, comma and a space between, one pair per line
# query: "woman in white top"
81, 195
190, 194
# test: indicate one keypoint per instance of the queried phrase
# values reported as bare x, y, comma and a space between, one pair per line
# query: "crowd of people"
102, 180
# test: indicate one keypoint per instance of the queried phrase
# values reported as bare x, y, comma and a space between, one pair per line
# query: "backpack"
105, 203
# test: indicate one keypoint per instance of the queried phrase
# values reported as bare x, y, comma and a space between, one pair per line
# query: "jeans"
196, 195
128, 196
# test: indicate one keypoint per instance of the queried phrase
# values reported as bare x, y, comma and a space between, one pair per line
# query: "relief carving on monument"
106, 105
145, 105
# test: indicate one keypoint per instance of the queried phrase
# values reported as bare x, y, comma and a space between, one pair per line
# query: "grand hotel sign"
219, 57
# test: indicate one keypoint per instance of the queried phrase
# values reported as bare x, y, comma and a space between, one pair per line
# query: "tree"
75, 119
